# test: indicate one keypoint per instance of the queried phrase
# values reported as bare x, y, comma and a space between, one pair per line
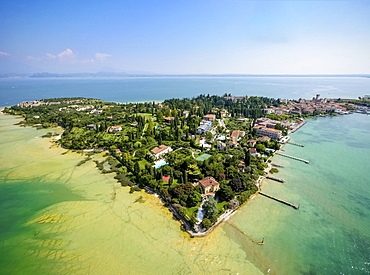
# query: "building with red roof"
209, 184
160, 150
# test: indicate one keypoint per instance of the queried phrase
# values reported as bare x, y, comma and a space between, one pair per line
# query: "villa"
115, 128
204, 127
236, 135
209, 117
224, 113
264, 138
210, 186
91, 127
221, 146
161, 150
251, 142
84, 108
253, 152
169, 118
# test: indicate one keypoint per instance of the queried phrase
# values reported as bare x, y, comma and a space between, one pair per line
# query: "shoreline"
240, 220
222, 218
229, 212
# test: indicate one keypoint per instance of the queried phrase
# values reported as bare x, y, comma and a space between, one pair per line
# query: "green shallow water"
58, 218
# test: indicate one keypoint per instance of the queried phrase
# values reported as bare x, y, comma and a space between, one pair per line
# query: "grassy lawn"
174, 183
220, 205
146, 115
142, 163
191, 210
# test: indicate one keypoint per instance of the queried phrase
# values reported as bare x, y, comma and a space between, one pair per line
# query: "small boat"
261, 242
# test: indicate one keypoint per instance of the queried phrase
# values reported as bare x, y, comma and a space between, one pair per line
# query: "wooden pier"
285, 155
274, 178
296, 144
295, 206
277, 165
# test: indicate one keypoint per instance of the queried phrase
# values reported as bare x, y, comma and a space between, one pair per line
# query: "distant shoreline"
149, 75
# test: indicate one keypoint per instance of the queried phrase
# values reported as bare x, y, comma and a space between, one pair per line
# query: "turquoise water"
330, 233
160, 163
13, 91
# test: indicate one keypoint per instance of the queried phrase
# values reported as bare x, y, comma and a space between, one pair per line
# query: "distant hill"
144, 74
124, 74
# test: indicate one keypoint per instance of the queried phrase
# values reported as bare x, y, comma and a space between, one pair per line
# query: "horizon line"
128, 74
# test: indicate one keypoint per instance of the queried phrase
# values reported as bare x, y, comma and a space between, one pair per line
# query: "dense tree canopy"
130, 131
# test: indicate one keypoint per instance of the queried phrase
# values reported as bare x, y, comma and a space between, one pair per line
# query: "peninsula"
203, 156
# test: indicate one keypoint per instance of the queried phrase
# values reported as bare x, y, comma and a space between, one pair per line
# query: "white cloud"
4, 54
69, 57
34, 58
68, 53
101, 56
88, 61
50, 56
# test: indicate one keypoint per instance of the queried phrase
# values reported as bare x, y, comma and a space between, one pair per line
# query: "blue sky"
200, 36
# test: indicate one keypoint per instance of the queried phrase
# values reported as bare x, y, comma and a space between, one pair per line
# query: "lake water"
12, 91
60, 218
330, 233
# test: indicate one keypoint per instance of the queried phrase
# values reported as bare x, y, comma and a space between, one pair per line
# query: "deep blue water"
13, 91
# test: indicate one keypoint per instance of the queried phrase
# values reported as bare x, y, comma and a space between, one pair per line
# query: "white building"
161, 150
272, 133
115, 128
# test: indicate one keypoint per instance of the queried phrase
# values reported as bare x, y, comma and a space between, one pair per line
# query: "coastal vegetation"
134, 134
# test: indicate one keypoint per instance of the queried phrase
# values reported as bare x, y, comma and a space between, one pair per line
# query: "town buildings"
307, 106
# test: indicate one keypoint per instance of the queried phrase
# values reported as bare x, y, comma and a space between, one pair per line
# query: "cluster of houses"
235, 137
306, 106
35, 103
209, 184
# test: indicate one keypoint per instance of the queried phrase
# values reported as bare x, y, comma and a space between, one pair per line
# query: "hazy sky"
194, 36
